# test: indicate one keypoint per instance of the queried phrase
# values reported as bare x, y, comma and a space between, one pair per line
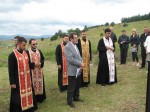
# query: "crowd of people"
135, 40
73, 56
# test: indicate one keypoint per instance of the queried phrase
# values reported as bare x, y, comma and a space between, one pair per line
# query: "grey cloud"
33, 27
43, 22
15, 5
8, 8
110, 1
20, 1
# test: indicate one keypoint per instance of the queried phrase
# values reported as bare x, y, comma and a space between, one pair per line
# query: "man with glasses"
84, 46
36, 60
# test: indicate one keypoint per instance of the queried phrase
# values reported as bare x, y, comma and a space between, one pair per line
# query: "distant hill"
10, 37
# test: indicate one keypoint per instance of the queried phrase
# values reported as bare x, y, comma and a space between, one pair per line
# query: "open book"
78, 73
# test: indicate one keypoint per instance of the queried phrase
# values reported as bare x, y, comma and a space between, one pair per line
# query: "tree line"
60, 33
136, 18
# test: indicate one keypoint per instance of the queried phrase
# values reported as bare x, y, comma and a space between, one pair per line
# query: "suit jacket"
113, 37
74, 60
143, 38
126, 40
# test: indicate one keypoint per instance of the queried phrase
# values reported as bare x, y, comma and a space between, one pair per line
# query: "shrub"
125, 25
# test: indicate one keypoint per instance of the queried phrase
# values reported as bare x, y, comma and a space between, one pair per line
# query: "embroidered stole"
37, 74
64, 70
85, 59
24, 80
111, 59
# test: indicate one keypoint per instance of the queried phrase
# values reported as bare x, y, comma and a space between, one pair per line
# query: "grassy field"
128, 95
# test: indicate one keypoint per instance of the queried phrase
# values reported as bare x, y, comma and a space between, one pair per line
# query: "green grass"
128, 95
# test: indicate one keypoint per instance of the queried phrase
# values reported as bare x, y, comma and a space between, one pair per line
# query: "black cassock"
15, 101
90, 51
42, 97
103, 68
58, 55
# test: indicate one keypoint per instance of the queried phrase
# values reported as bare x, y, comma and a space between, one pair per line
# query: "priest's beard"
34, 49
84, 37
64, 42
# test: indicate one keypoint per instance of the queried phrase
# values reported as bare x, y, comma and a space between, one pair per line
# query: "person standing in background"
124, 44
84, 46
134, 41
62, 64
36, 61
143, 51
15, 41
113, 35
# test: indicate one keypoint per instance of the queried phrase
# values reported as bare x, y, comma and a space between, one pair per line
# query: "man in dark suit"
143, 51
124, 44
74, 61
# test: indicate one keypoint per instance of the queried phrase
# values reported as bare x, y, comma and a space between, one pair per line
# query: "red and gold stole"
85, 58
37, 74
64, 71
26, 94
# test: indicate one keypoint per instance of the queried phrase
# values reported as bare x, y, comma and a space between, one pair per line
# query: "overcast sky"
37, 17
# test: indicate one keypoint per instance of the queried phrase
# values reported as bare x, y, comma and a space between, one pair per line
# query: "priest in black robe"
36, 61
106, 73
22, 97
60, 56
84, 46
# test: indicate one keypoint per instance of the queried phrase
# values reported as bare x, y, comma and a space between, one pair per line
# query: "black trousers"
148, 90
123, 57
135, 57
143, 55
73, 88
60, 81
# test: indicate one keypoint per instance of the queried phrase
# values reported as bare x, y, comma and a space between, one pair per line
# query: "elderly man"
143, 51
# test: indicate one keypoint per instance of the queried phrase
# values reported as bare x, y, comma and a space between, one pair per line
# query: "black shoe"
84, 86
78, 100
141, 67
71, 105
103, 84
